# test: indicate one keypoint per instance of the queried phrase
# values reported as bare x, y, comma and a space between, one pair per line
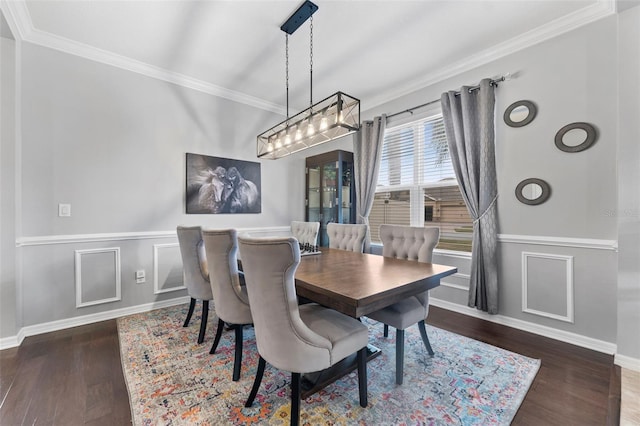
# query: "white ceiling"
373, 50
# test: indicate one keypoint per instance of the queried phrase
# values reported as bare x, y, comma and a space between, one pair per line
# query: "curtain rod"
494, 82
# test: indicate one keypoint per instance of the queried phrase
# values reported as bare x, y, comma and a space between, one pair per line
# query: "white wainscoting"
586, 243
126, 236
526, 256
92, 238
32, 330
156, 269
79, 254
542, 330
458, 275
568, 337
24, 243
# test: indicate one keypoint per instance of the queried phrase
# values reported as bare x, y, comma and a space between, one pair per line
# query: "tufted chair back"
409, 242
347, 236
194, 262
305, 232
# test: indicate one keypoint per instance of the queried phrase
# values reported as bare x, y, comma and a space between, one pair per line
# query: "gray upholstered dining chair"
412, 243
346, 236
196, 273
229, 297
305, 232
298, 339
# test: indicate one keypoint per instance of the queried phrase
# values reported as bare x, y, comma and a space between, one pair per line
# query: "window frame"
416, 191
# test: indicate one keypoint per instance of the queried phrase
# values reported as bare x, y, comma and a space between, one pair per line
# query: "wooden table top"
357, 284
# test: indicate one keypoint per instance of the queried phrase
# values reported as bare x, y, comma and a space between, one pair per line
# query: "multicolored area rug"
174, 381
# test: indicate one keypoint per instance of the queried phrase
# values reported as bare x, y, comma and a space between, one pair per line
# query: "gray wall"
112, 144
628, 212
570, 78
7, 185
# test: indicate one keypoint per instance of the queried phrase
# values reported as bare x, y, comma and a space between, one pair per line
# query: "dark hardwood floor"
69, 377
74, 377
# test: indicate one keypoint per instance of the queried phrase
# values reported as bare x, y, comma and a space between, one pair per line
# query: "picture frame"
217, 185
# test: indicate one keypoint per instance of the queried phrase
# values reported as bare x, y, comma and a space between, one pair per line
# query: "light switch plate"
140, 276
64, 210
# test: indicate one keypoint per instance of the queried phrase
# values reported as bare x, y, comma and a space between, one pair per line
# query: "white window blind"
415, 153
417, 184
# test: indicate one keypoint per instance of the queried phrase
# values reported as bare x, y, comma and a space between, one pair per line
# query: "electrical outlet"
140, 276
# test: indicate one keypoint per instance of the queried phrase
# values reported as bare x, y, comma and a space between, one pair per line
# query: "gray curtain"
367, 151
469, 125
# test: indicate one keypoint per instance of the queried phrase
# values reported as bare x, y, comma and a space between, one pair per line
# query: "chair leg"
192, 305
425, 338
205, 318
237, 361
386, 330
362, 376
295, 399
256, 382
399, 356
218, 336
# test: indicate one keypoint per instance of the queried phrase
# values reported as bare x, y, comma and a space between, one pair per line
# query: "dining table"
357, 284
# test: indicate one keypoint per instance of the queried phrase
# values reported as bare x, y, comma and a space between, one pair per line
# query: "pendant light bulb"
324, 123
279, 140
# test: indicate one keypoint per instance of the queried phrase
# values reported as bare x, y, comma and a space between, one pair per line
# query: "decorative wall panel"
547, 285
167, 268
97, 276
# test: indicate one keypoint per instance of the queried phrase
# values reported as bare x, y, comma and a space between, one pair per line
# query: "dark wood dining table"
357, 284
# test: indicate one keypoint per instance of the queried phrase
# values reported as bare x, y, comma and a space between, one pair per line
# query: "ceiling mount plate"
298, 18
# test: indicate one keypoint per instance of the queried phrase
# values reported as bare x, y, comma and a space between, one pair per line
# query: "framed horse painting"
217, 185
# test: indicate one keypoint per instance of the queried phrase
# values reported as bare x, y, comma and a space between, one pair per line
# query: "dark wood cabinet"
330, 190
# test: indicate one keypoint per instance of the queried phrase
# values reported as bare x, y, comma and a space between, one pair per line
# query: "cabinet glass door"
313, 207
329, 198
346, 207
330, 192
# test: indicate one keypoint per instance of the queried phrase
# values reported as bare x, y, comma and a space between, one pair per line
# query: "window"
417, 185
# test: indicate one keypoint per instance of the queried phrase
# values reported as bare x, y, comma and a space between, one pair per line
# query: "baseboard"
32, 330
9, 342
627, 362
552, 333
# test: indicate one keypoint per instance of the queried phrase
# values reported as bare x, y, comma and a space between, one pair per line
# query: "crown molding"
18, 18
20, 15
109, 58
598, 10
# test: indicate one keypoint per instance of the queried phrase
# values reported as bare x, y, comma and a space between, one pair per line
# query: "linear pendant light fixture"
333, 117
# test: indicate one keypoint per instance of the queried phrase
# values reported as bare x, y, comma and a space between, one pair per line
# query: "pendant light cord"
287, 70
311, 62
